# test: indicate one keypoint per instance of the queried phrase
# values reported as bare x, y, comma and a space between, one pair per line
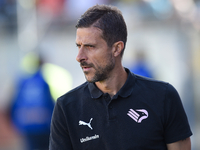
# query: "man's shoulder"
149, 80
73, 94
151, 83
154, 84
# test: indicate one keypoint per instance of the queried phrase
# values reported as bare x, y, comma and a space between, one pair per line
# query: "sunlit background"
165, 32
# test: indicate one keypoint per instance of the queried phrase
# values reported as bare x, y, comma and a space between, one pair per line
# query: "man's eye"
90, 46
78, 46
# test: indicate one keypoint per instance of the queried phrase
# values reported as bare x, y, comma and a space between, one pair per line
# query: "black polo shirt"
145, 114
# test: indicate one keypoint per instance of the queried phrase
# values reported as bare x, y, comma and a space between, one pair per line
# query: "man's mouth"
85, 68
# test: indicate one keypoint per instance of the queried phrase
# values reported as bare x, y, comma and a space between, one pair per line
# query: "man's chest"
116, 125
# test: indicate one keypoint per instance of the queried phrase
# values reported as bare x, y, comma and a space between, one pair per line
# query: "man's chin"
91, 80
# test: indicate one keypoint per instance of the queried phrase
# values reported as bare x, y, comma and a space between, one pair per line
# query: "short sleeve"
59, 137
176, 125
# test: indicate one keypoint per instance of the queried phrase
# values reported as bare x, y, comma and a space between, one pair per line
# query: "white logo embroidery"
138, 115
84, 123
89, 138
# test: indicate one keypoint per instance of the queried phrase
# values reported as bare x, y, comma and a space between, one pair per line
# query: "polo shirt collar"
125, 91
94, 91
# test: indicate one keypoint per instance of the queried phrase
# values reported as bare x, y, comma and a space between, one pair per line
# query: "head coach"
115, 109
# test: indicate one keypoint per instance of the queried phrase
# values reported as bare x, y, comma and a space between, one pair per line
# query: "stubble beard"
101, 72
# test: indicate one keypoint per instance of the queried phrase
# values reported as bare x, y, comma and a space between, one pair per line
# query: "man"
115, 109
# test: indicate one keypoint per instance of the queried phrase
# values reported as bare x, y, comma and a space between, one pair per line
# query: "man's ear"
117, 48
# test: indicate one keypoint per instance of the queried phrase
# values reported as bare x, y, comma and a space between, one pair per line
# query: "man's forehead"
91, 34
88, 32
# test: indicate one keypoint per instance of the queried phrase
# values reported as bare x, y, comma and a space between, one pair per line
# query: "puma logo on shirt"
87, 124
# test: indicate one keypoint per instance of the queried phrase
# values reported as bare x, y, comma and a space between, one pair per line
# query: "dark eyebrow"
88, 44
85, 44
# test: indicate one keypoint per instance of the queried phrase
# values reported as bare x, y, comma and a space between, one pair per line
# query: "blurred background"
37, 47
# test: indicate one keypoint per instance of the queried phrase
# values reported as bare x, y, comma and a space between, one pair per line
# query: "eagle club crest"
138, 115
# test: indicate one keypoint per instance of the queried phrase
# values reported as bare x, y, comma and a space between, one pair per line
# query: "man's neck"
114, 83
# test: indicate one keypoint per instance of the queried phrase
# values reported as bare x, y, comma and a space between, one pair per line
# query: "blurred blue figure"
140, 67
32, 109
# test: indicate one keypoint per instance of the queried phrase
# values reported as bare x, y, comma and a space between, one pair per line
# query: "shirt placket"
109, 106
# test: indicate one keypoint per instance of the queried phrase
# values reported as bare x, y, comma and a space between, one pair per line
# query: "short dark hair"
107, 18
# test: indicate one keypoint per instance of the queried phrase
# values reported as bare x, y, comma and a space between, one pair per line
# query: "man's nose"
81, 55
